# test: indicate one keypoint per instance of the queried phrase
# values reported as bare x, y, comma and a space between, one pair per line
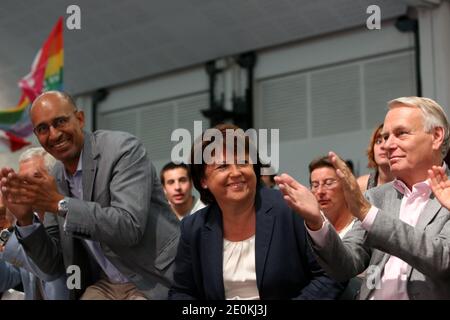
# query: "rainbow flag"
46, 74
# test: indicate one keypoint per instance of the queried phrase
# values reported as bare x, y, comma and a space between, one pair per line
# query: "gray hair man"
402, 231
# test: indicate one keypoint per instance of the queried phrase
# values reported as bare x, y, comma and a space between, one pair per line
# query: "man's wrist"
316, 224
63, 207
55, 204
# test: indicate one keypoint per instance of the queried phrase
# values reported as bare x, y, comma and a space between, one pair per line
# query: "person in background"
268, 180
377, 161
350, 165
328, 190
10, 278
326, 187
36, 284
177, 184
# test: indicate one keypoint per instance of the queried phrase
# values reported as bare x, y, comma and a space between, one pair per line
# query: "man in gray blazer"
104, 208
402, 235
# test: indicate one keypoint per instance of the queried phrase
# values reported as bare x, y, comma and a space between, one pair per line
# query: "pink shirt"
394, 278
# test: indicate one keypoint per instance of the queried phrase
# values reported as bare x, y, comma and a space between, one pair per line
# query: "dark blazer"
285, 266
123, 208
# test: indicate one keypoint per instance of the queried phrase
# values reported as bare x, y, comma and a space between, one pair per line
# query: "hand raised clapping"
440, 185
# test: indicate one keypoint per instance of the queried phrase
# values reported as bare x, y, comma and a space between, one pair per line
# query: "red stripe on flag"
16, 142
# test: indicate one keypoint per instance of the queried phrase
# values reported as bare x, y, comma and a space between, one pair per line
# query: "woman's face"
230, 182
379, 153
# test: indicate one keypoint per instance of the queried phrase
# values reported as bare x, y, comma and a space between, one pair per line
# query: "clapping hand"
440, 185
357, 204
301, 200
38, 191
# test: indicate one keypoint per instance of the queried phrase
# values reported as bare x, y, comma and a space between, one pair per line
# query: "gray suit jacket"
425, 247
123, 208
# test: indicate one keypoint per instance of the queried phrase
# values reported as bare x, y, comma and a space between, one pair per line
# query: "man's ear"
80, 117
438, 137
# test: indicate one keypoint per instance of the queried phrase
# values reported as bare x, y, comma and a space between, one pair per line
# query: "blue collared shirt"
76, 188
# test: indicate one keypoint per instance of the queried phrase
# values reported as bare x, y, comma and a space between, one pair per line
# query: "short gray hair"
433, 116
49, 161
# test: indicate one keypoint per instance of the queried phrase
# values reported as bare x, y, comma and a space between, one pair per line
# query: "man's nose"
389, 143
234, 170
53, 133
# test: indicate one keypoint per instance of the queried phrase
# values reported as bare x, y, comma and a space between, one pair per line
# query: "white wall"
354, 47
360, 48
434, 27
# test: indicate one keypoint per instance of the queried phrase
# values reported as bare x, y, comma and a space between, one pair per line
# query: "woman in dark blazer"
247, 243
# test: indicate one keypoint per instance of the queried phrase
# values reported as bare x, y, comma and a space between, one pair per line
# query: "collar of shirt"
419, 189
79, 170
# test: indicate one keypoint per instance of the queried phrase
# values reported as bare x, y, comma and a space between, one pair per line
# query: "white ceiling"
121, 41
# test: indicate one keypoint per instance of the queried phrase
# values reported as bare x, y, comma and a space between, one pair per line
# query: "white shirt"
239, 270
198, 204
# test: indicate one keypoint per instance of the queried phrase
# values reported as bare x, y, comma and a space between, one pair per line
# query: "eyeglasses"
327, 184
57, 123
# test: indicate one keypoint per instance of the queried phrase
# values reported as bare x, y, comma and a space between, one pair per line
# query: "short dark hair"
320, 162
198, 169
172, 165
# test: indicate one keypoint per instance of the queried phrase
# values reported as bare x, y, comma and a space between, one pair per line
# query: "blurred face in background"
379, 153
327, 189
177, 186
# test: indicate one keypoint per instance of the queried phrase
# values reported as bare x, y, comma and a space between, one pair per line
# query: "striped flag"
46, 74
12, 141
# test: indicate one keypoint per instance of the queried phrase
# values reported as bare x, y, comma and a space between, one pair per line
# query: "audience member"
327, 188
378, 161
246, 244
402, 233
104, 206
36, 284
177, 184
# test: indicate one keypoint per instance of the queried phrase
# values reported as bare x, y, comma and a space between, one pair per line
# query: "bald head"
54, 96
